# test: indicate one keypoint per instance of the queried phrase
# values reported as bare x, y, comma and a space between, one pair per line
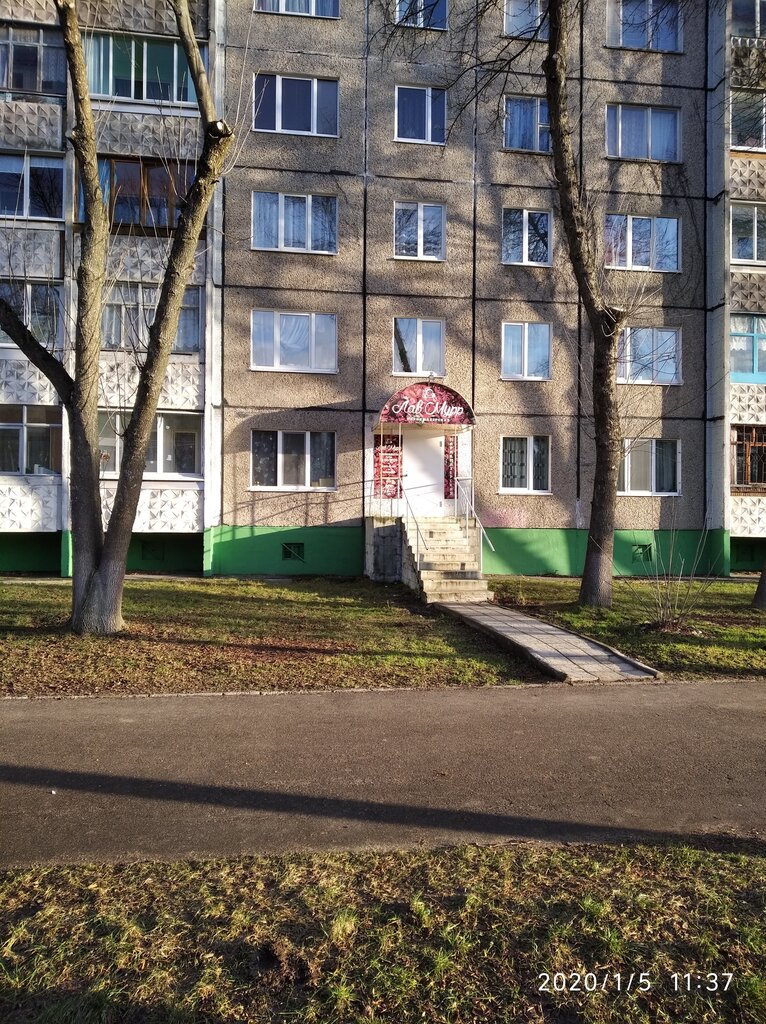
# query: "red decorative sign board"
387, 470
450, 465
427, 403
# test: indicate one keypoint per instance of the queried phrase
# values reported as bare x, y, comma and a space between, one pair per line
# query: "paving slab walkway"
564, 655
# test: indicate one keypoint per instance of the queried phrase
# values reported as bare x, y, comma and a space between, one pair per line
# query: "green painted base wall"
636, 552
30, 552
277, 551
748, 554
151, 552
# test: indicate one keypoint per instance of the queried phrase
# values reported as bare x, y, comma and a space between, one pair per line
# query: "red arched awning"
427, 403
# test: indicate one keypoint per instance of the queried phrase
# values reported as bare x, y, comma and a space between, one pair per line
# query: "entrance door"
423, 468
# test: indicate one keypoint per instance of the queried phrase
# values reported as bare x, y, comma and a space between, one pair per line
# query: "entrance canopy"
427, 403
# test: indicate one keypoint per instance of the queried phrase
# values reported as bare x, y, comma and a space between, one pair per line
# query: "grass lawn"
223, 634
458, 936
723, 636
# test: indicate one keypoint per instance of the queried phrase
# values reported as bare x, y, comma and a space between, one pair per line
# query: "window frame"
277, 367
40, 45
625, 468
419, 372
23, 431
428, 90
530, 439
615, 19
745, 486
756, 376
525, 325
525, 261
754, 208
144, 324
106, 170
648, 110
158, 428
760, 32
651, 269
307, 461
540, 124
145, 101
420, 8
29, 161
421, 256
297, 14
740, 147
623, 360
309, 197
27, 285
541, 28
278, 130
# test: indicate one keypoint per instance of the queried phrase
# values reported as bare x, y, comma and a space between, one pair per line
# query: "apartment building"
387, 323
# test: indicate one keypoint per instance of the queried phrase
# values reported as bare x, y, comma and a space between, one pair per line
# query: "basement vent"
642, 553
293, 552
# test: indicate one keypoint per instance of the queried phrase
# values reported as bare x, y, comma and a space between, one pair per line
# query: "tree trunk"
596, 584
759, 601
99, 610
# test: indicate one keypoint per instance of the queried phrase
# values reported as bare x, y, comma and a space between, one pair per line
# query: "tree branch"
197, 71
36, 353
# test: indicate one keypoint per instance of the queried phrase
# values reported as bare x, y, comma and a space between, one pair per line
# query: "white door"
423, 468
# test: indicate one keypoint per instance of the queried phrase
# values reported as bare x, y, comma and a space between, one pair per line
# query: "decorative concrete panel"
21, 383
151, 16
29, 10
30, 252
31, 125
137, 258
162, 509
747, 178
748, 515
748, 291
748, 403
148, 134
29, 504
182, 388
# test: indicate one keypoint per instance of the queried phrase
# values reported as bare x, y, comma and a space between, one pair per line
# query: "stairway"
449, 568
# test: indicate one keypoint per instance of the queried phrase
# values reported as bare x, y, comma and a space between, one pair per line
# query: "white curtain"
323, 223
294, 340
266, 220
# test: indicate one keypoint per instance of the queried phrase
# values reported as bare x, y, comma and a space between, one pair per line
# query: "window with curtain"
644, 24
32, 187
421, 115
39, 307
642, 133
419, 231
650, 466
296, 106
422, 13
175, 444
748, 233
641, 243
129, 310
308, 8
136, 69
304, 342
527, 237
32, 61
30, 440
418, 346
292, 460
525, 464
526, 351
649, 355
526, 19
526, 124
297, 223
747, 348
149, 193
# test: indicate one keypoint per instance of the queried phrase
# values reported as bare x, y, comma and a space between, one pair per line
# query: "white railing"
464, 511
409, 516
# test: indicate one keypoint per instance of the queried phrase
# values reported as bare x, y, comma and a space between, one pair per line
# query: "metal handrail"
462, 492
418, 534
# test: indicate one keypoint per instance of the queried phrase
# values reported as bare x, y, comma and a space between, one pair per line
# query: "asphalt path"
106, 779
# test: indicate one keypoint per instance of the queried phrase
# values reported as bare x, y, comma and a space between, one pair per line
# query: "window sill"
418, 373
7, 219
419, 259
303, 252
649, 494
162, 108
642, 160
650, 383
527, 152
756, 264
533, 380
524, 39
745, 490
539, 266
747, 149
300, 14
300, 135
643, 270
643, 49
422, 28
293, 490
747, 378
156, 478
54, 478
290, 369
522, 490
419, 142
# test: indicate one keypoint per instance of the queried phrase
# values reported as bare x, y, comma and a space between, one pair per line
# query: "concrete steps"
449, 569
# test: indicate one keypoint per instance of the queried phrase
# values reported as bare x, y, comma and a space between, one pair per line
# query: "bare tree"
100, 555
